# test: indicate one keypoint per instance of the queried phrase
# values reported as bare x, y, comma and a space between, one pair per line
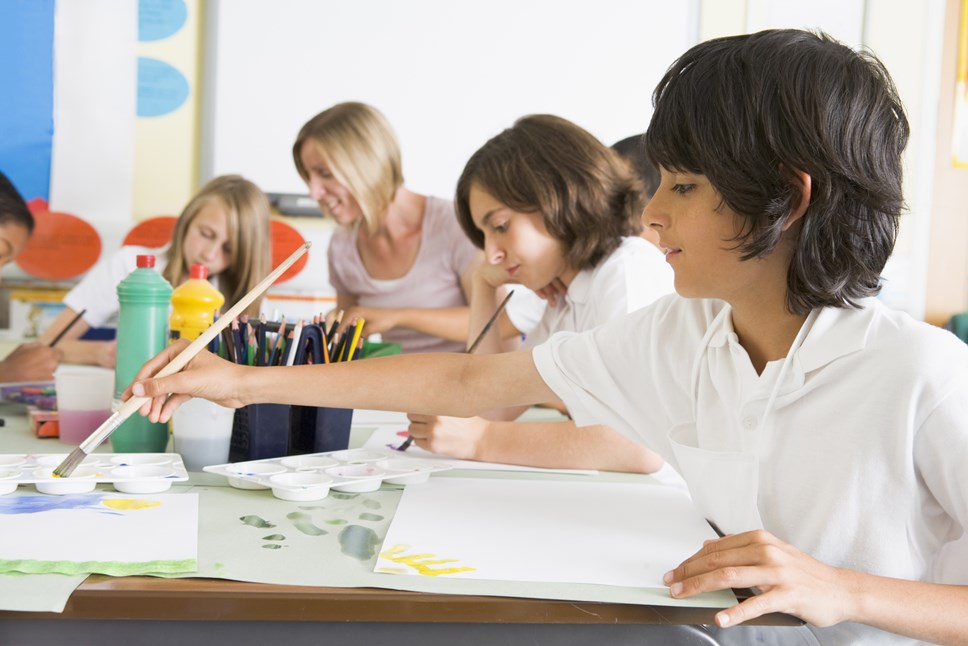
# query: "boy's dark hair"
12, 206
750, 111
548, 165
633, 150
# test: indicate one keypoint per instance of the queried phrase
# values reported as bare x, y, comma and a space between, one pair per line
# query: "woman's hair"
750, 112
548, 165
247, 222
13, 209
361, 151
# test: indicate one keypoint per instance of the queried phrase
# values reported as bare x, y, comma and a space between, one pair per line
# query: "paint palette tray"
311, 476
128, 472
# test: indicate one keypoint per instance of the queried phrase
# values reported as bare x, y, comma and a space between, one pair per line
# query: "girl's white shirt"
97, 291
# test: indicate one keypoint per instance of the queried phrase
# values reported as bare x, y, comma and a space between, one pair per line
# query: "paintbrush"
480, 337
132, 404
60, 335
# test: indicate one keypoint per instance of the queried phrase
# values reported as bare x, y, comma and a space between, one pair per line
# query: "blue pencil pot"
314, 430
260, 431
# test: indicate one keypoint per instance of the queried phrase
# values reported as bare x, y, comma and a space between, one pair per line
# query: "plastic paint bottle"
143, 298
194, 304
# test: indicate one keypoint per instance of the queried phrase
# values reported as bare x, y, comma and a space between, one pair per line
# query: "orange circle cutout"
62, 246
285, 240
154, 232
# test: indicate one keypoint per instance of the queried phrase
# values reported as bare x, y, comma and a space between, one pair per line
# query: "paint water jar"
144, 298
194, 304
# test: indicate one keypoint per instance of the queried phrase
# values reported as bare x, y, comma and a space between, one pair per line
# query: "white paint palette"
311, 476
127, 472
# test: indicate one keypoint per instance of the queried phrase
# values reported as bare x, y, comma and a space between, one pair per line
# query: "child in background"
548, 203
29, 361
826, 434
224, 227
525, 309
398, 260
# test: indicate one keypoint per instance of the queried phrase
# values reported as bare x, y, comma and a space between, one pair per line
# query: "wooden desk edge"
150, 598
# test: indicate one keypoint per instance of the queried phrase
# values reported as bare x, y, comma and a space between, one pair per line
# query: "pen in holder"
263, 431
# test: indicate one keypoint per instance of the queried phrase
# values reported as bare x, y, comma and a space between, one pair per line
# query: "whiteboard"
448, 75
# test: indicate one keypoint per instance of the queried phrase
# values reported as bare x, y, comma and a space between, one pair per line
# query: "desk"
193, 610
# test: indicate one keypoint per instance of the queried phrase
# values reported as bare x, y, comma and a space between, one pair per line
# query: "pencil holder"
260, 431
316, 429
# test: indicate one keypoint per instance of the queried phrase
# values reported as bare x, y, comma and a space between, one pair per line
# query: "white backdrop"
448, 75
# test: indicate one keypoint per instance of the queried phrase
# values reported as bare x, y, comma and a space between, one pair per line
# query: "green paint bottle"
143, 298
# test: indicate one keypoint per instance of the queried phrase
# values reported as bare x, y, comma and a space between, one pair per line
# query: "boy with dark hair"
826, 434
30, 361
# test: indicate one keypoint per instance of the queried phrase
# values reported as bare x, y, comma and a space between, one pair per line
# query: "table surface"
193, 599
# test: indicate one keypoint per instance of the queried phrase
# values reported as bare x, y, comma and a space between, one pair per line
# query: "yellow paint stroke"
129, 504
421, 562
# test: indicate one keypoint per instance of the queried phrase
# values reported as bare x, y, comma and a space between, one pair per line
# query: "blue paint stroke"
161, 88
38, 504
159, 19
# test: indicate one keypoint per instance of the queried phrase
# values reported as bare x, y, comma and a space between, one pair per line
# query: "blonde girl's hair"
360, 150
247, 221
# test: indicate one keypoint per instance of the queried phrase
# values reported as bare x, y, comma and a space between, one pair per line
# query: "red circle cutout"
62, 246
285, 240
153, 233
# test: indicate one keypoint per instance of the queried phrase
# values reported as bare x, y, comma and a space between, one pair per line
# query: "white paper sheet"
616, 534
99, 532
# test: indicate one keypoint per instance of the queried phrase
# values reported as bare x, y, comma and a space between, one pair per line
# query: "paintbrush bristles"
67, 467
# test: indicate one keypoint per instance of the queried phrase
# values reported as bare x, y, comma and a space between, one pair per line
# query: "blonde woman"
399, 259
224, 227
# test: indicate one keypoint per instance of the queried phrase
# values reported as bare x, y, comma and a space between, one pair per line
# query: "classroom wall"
166, 138
447, 75
453, 76
947, 267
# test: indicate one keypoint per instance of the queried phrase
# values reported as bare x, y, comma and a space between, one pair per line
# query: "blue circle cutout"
159, 19
161, 88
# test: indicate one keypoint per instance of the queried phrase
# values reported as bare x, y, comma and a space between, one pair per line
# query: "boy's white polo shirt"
867, 443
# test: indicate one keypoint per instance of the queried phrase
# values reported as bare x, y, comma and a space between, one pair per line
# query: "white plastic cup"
202, 431
84, 395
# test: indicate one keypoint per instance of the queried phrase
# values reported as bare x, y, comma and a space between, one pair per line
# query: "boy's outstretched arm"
793, 582
441, 383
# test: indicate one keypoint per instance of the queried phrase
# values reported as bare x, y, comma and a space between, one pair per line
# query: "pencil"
60, 335
132, 404
296, 337
487, 326
357, 331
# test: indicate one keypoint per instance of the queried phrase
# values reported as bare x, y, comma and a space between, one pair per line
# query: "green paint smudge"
339, 495
302, 522
273, 546
255, 521
369, 503
335, 521
274, 537
358, 542
373, 517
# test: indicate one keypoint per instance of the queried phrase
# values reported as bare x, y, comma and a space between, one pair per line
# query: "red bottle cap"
145, 261
198, 271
